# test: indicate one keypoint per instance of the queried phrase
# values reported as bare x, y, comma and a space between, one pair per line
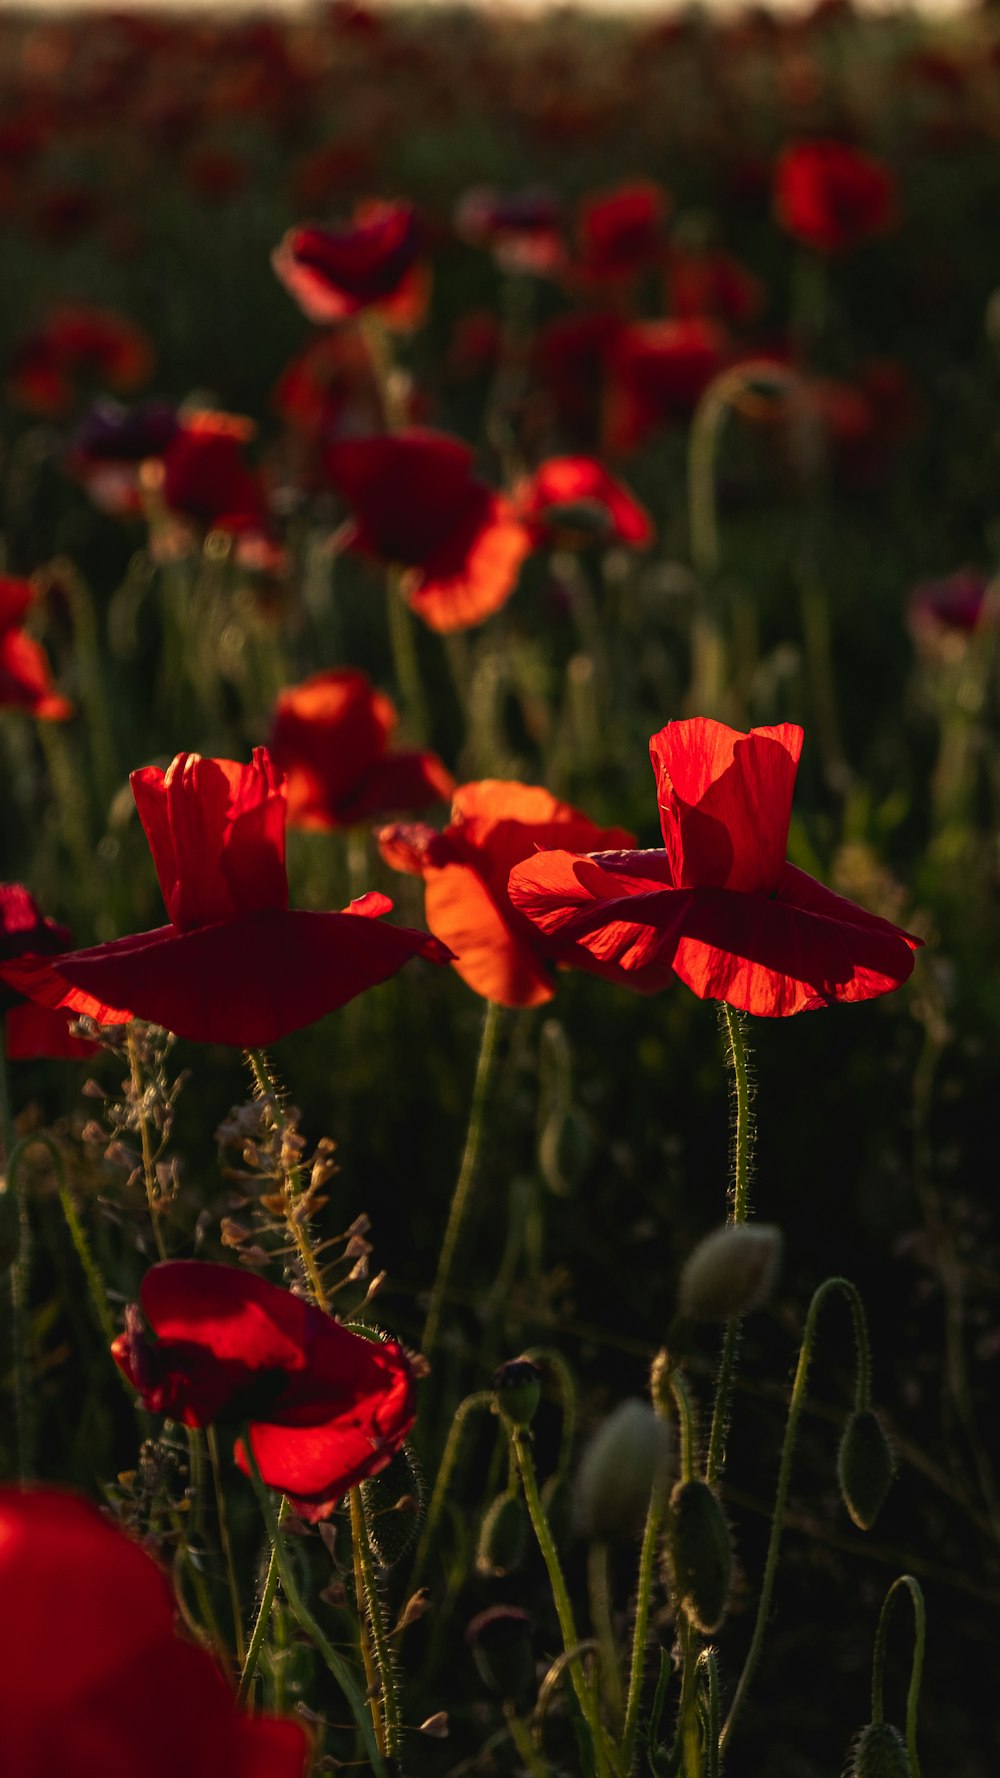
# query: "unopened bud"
701, 1555
730, 1272
865, 1467
500, 1640
518, 1390
879, 1752
394, 1503
619, 1468
503, 1537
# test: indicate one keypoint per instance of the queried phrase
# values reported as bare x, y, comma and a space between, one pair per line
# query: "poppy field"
498, 919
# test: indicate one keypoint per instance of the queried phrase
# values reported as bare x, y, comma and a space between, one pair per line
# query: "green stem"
259, 1630
737, 1055
405, 661
660, 1380
370, 1606
534, 1765
557, 1581
338, 1666
878, 1660
483, 1398
710, 1710
554, 1361
226, 1542
862, 1401
599, 1590
467, 1172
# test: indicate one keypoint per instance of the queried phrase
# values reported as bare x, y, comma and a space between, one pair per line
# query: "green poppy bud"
619, 1468
879, 1752
500, 1640
394, 1506
700, 1551
503, 1537
518, 1390
730, 1272
865, 1467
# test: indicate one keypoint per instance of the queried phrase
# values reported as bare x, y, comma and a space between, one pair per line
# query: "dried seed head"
518, 1390
730, 1272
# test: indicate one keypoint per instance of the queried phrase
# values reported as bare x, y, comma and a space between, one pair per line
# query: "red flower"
334, 273
73, 344
719, 906
110, 447
621, 232
712, 284
25, 678
465, 870
95, 1680
330, 736
205, 476
324, 1407
657, 370
523, 230
236, 965
571, 354
831, 197
417, 503
33, 1031
574, 499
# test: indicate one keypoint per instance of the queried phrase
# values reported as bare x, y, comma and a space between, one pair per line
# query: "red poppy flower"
831, 197
330, 389
571, 499
465, 870
621, 232
76, 344
25, 677
324, 1407
331, 736
95, 1679
719, 906
334, 273
522, 230
657, 370
33, 1031
205, 476
417, 503
712, 284
236, 965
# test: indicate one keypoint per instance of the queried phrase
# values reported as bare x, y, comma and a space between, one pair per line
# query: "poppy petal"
725, 801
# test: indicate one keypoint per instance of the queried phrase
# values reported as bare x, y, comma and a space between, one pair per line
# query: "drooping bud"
730, 1272
619, 1468
879, 1752
865, 1467
518, 1389
503, 1537
700, 1554
394, 1506
500, 1640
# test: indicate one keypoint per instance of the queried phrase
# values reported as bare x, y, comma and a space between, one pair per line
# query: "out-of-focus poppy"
573, 500
831, 197
621, 233
523, 230
329, 390
331, 738
719, 906
25, 677
494, 824
324, 1407
111, 444
374, 262
416, 503
236, 965
571, 355
75, 348
656, 371
205, 476
91, 1681
714, 285
33, 1031
941, 615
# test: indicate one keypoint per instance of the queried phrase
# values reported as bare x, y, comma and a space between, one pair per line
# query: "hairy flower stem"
226, 1542
737, 1059
521, 1448
260, 1067
262, 1619
384, 1699
599, 1591
878, 1661
492, 1024
483, 1398
338, 1666
862, 1400
660, 1386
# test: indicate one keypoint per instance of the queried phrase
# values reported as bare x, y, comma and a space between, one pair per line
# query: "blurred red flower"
374, 262
236, 965
32, 1031
571, 354
331, 736
93, 1668
205, 476
417, 503
657, 370
573, 500
494, 824
719, 906
523, 230
74, 348
712, 284
110, 446
324, 1406
25, 676
832, 197
621, 233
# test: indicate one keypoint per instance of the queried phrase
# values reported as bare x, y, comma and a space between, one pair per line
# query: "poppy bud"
701, 1554
10, 1230
865, 1467
502, 1537
879, 1752
394, 1506
500, 1640
730, 1272
618, 1471
518, 1390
